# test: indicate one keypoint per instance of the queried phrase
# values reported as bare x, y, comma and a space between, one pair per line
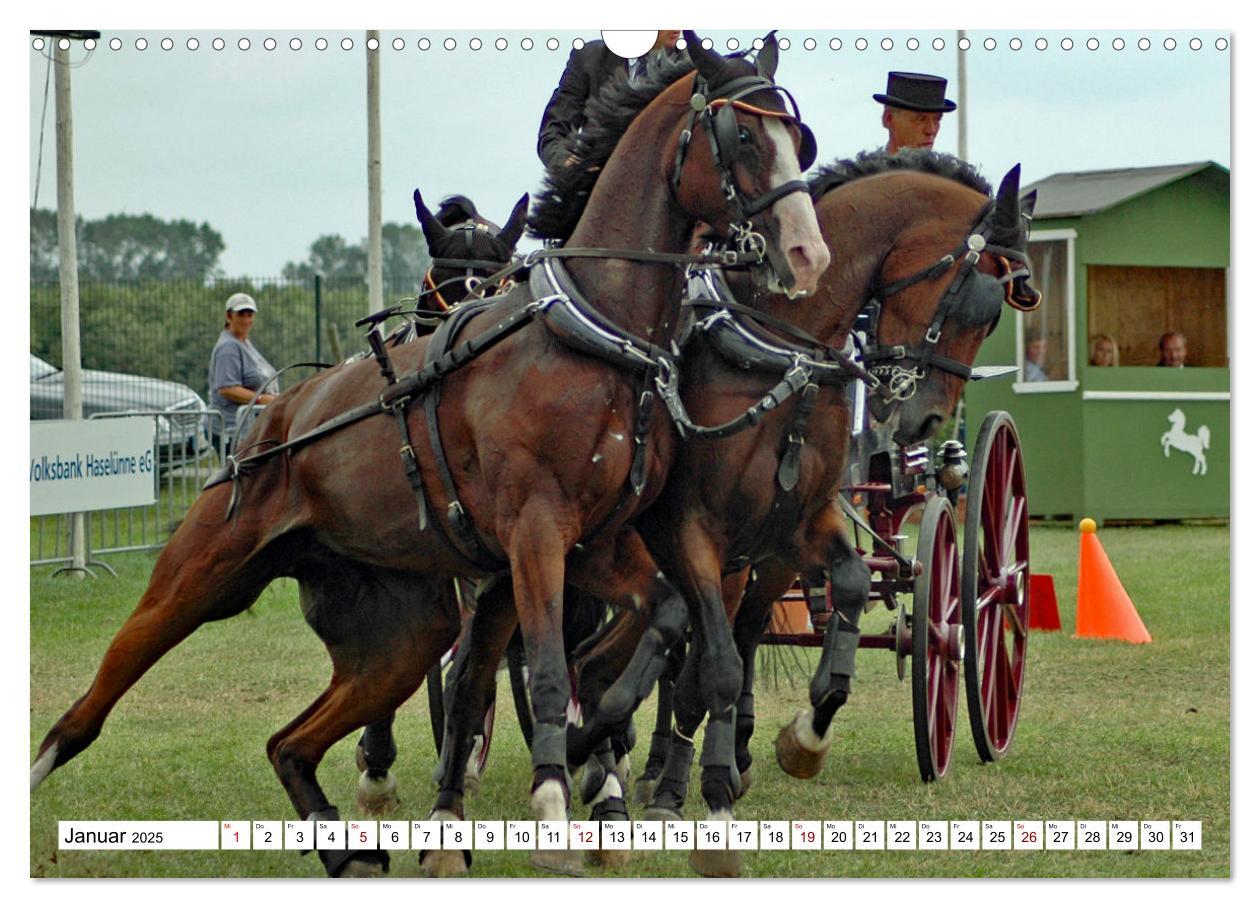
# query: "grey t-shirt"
235, 362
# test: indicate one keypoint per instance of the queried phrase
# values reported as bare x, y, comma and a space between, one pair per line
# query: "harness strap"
462, 534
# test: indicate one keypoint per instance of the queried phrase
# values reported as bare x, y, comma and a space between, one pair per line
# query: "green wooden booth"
1121, 258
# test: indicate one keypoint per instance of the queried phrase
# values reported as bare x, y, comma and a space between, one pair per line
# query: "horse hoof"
644, 790
745, 782
715, 863
609, 859
443, 864
799, 751
358, 870
562, 861
661, 813
377, 796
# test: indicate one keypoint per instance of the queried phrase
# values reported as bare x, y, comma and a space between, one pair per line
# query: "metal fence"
147, 345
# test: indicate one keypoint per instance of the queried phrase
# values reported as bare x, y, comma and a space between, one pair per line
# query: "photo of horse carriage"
608, 462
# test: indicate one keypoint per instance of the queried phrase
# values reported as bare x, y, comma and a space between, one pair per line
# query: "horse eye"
744, 135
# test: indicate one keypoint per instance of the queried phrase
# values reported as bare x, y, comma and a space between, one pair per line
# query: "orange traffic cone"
1103, 609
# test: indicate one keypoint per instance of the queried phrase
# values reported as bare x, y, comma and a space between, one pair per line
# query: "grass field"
1108, 731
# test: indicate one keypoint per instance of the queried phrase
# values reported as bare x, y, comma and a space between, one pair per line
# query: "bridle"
468, 263
900, 367
714, 109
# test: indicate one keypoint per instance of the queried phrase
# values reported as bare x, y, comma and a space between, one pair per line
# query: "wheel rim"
995, 587
937, 641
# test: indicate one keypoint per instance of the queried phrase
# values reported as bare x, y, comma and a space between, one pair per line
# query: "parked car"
180, 433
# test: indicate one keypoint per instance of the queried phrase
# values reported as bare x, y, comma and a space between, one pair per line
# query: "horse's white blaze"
548, 801
43, 766
803, 728
798, 224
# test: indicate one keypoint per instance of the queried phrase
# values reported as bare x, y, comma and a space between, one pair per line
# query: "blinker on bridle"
886, 362
715, 109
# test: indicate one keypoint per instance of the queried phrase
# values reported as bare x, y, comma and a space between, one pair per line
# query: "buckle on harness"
933, 335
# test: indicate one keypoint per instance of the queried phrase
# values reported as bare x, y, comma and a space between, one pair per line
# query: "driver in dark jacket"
589, 67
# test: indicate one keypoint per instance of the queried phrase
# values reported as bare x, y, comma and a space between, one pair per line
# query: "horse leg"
765, 585
377, 793
622, 670
803, 743
469, 689
536, 545
207, 572
671, 788
382, 642
645, 785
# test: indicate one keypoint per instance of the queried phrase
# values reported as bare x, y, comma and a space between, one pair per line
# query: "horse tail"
1204, 436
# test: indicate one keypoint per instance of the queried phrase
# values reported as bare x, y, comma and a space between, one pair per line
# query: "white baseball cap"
241, 302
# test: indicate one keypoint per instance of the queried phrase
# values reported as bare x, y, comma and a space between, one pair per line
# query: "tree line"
139, 247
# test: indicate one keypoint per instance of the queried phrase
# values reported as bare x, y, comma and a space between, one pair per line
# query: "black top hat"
916, 91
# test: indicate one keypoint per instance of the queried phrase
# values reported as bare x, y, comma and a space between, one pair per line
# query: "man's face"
911, 128
1035, 352
667, 39
1173, 351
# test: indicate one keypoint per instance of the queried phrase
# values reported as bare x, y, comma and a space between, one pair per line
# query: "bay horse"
539, 449
767, 495
899, 213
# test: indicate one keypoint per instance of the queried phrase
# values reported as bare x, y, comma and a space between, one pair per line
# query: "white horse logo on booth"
1194, 445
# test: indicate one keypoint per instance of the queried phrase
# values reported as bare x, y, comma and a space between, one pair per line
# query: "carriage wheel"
435, 682
995, 586
936, 640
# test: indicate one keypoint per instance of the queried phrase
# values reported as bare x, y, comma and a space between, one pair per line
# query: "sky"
269, 146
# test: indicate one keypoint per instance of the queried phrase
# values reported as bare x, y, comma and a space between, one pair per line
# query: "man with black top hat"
913, 105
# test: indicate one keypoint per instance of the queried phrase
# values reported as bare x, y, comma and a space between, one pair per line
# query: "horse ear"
768, 57
511, 233
434, 232
1028, 204
1007, 215
708, 63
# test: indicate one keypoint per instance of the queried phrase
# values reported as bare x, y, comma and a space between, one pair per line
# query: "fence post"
319, 329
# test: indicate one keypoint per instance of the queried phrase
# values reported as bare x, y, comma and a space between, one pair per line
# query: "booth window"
1135, 306
1045, 335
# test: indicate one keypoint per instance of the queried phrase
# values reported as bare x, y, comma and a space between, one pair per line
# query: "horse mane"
918, 160
559, 203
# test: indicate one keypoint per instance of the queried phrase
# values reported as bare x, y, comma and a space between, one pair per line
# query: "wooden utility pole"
962, 98
376, 296
68, 274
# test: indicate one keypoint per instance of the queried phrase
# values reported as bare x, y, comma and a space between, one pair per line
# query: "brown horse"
768, 495
549, 452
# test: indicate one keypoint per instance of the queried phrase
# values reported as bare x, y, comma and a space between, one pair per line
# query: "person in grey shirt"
237, 370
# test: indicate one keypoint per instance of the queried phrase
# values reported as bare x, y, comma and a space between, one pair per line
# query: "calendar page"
760, 452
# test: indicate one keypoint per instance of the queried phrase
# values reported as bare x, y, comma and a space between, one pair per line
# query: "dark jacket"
588, 68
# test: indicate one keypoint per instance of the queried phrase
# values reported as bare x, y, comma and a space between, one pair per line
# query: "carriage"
969, 598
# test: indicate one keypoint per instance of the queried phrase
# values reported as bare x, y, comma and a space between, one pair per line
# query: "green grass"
1108, 731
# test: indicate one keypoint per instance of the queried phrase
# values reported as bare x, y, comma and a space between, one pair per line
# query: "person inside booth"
1103, 351
1172, 350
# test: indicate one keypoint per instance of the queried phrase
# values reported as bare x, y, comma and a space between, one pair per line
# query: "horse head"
941, 290
465, 246
740, 151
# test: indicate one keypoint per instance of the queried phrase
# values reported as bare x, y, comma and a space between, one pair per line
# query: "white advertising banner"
92, 464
